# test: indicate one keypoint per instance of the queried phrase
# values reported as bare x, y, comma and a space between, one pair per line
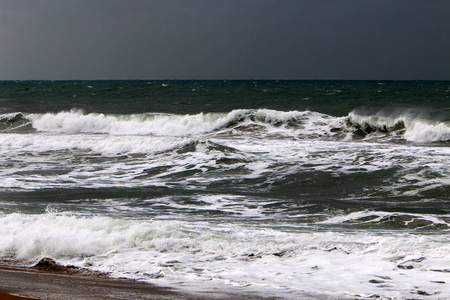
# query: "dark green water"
336, 98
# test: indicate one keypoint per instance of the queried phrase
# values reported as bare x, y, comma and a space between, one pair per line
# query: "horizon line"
223, 79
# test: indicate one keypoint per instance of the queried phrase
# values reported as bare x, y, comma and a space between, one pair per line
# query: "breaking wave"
401, 126
379, 126
76, 121
13, 122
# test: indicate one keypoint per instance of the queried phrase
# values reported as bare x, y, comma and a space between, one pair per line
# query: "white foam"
142, 124
377, 216
425, 132
73, 157
332, 264
252, 158
36, 143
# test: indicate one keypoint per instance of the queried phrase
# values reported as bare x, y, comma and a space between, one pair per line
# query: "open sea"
338, 189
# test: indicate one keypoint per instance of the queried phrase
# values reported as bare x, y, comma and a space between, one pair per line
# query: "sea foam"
166, 252
425, 132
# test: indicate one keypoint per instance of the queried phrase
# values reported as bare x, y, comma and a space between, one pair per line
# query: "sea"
336, 189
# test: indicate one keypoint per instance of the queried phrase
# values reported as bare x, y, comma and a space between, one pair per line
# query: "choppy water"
339, 188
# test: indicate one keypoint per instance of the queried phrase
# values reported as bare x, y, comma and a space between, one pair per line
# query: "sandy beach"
39, 284
5, 296
31, 283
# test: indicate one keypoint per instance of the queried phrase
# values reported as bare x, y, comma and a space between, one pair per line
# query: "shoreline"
18, 283
32, 283
6, 296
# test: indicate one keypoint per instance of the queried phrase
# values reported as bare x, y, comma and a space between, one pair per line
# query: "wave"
404, 126
380, 126
14, 122
76, 121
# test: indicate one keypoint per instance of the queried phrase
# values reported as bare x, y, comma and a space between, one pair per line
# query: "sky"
225, 39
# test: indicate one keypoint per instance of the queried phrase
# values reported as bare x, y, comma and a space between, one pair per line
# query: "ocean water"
340, 189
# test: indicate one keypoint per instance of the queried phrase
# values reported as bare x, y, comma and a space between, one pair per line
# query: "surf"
407, 125
168, 252
76, 122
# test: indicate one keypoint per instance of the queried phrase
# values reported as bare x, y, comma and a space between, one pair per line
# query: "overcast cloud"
224, 39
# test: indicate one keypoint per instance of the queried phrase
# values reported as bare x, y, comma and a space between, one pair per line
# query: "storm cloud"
209, 39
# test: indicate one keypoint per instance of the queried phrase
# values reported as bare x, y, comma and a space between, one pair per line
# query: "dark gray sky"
225, 39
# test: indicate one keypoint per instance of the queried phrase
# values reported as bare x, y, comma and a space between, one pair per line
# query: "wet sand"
38, 284
5, 296
30, 283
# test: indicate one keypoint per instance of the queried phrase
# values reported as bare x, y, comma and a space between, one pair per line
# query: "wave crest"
13, 122
398, 126
401, 126
76, 121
